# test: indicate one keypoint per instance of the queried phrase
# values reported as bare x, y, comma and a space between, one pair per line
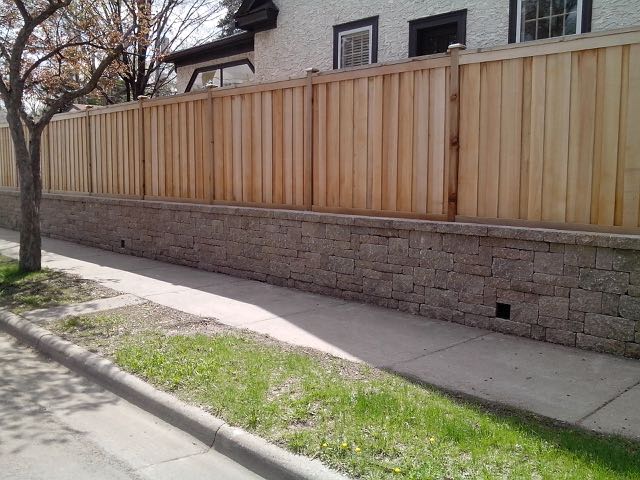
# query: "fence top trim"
404, 65
571, 43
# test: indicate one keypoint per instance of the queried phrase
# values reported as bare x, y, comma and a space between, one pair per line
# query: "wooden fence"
552, 132
545, 133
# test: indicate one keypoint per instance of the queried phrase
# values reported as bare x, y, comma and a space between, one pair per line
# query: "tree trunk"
28, 160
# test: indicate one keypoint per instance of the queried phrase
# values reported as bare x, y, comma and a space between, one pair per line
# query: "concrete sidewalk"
596, 391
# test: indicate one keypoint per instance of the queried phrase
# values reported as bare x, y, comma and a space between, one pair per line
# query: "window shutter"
355, 49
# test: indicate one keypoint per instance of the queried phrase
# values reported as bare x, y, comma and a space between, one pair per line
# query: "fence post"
89, 159
209, 126
454, 128
141, 145
308, 141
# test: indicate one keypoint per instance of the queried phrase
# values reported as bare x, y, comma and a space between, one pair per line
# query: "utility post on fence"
141, 143
454, 128
89, 148
308, 140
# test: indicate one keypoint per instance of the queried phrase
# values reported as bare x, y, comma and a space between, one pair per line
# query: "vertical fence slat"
346, 144
510, 139
405, 142
631, 192
581, 136
437, 111
375, 142
360, 147
390, 141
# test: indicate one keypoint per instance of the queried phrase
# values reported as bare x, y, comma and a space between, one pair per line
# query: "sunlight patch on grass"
20, 292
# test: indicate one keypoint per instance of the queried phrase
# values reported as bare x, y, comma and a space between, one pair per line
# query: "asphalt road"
55, 424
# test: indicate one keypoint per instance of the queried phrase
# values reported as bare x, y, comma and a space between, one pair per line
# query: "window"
355, 43
222, 75
434, 34
539, 19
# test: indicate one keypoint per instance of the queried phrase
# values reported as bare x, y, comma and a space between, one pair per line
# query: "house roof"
224, 47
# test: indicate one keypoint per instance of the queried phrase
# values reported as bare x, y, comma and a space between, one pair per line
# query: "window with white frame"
539, 19
355, 48
355, 43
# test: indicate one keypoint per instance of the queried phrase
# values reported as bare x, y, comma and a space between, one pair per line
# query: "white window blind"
355, 48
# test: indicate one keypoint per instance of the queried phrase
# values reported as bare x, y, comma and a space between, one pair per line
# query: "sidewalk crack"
582, 419
422, 355
204, 450
289, 315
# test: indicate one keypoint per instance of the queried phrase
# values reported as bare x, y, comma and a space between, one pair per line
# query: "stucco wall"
304, 36
183, 74
610, 14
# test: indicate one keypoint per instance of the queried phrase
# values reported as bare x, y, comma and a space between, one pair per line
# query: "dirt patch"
102, 332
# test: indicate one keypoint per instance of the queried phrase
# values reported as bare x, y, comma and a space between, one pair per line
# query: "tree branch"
50, 55
23, 10
21, 40
67, 97
4, 90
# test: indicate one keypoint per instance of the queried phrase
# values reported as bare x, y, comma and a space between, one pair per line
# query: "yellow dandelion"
357, 449
432, 439
325, 445
397, 470
344, 445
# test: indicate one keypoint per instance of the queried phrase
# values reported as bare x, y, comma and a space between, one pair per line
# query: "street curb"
255, 453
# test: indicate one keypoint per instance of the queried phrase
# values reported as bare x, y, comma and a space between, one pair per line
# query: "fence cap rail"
570, 43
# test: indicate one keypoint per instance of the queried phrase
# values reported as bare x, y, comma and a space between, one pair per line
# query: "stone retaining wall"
574, 288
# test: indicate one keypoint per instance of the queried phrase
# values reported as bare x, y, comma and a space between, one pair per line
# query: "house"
282, 38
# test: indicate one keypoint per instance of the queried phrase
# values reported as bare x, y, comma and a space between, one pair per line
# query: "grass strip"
367, 423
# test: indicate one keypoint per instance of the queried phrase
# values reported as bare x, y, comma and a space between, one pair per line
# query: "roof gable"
248, 5
257, 15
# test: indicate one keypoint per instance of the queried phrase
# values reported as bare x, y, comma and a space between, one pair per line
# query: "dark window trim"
587, 12
217, 66
365, 22
459, 16
513, 20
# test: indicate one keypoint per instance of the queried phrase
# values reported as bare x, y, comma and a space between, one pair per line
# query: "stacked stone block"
572, 288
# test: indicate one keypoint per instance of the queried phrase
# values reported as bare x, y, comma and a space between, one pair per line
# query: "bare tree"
51, 52
160, 26
227, 23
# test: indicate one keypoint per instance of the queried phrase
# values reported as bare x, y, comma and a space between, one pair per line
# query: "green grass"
362, 421
20, 292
